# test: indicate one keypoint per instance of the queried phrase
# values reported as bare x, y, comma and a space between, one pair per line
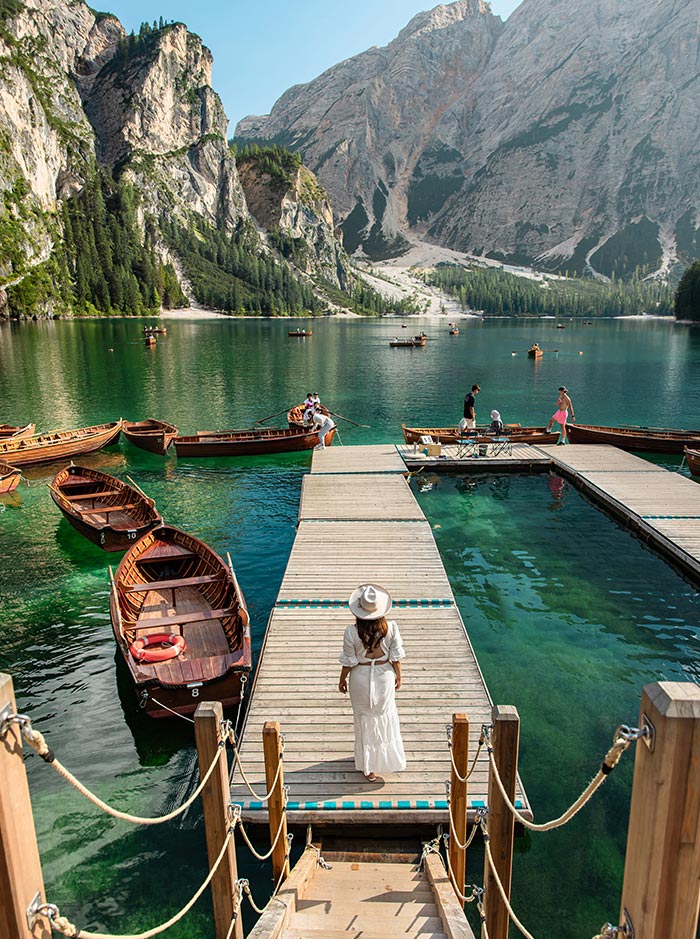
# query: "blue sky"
261, 49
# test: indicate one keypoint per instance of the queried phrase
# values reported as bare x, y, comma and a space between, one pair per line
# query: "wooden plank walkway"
660, 505
354, 527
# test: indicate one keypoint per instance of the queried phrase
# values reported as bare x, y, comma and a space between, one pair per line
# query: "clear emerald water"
568, 613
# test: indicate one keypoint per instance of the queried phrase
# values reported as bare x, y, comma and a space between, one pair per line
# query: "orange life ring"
170, 646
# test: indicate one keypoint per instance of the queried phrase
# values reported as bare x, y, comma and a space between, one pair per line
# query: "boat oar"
354, 423
270, 416
136, 486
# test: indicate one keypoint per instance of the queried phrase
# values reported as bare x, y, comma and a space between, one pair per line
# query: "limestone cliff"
564, 138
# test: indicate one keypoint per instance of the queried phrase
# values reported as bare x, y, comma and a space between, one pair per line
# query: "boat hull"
47, 448
449, 435
9, 478
176, 574
10, 432
83, 517
692, 458
154, 436
254, 443
637, 439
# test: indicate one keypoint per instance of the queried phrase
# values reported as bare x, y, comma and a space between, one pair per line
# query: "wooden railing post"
215, 802
20, 866
458, 798
505, 737
661, 888
272, 748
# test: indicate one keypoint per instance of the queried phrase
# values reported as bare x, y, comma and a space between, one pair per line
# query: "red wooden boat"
644, 439
517, 434
59, 444
692, 458
152, 435
250, 442
107, 511
180, 622
12, 432
10, 477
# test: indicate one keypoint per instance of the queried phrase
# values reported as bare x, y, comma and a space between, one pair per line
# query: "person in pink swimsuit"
561, 415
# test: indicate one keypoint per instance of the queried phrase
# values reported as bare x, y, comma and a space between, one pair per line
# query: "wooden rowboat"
692, 458
408, 343
11, 432
300, 332
174, 588
644, 439
59, 444
252, 442
517, 434
10, 477
155, 436
534, 352
104, 509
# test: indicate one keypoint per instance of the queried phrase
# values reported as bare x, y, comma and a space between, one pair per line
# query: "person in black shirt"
468, 422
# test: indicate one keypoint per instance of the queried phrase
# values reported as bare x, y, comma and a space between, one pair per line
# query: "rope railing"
453, 832
245, 885
622, 739
482, 738
494, 873
36, 740
238, 821
245, 779
63, 925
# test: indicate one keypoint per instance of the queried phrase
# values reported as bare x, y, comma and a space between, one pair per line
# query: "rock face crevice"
564, 137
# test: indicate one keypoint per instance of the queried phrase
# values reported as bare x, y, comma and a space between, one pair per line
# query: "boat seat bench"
93, 495
109, 509
173, 584
180, 619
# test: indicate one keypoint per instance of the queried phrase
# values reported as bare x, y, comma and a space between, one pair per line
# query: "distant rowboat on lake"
11, 431
10, 478
250, 442
300, 332
59, 444
152, 435
641, 439
107, 511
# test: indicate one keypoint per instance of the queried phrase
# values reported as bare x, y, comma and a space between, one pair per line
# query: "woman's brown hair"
371, 631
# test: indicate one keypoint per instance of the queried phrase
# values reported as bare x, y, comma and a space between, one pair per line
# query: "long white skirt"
378, 743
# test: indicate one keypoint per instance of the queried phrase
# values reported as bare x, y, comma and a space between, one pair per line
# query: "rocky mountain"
114, 156
564, 138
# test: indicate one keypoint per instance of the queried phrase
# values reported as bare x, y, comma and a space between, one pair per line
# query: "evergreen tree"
687, 299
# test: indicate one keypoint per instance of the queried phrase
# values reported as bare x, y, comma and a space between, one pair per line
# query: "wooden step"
408, 924
307, 932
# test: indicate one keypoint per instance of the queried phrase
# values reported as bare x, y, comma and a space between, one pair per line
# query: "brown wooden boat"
59, 444
155, 436
160, 330
110, 513
175, 589
517, 434
251, 442
300, 332
12, 432
534, 352
10, 478
408, 343
644, 439
692, 458
149, 339
295, 415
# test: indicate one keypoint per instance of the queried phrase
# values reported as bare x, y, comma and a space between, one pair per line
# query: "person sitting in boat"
316, 400
535, 347
323, 423
496, 426
308, 407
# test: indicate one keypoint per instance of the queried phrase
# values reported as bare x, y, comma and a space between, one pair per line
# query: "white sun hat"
495, 415
369, 602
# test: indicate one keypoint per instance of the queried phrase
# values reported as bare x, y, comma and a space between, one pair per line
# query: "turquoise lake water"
568, 613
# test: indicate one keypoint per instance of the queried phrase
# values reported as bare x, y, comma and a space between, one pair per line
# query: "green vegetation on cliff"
687, 299
500, 293
112, 268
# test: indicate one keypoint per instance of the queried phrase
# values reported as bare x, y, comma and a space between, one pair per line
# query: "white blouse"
354, 651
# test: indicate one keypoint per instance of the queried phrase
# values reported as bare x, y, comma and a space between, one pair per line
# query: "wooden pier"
359, 522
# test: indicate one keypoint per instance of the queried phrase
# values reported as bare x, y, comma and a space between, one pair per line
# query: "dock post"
458, 798
21, 880
272, 748
505, 737
661, 888
215, 805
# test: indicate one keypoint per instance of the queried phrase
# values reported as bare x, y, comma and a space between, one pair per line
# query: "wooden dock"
359, 522
523, 458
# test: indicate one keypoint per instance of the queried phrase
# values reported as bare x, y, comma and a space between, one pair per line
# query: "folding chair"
467, 445
501, 446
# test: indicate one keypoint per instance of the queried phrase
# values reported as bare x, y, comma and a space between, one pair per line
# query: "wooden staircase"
364, 899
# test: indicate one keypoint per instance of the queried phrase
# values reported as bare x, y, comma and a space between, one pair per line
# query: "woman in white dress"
371, 670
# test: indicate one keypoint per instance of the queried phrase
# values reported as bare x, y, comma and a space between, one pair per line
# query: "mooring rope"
453, 833
623, 738
245, 885
476, 893
260, 857
37, 742
63, 925
501, 890
176, 713
245, 779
